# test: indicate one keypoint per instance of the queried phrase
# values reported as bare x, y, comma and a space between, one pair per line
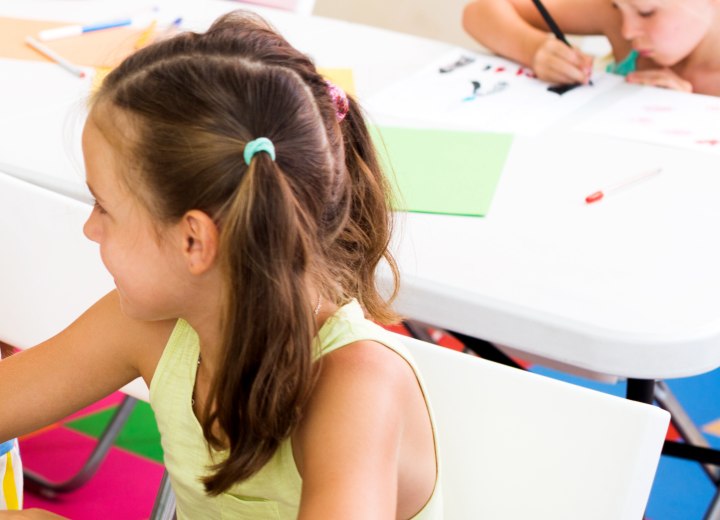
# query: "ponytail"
267, 372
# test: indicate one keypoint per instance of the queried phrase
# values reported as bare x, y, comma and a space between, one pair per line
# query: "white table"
629, 286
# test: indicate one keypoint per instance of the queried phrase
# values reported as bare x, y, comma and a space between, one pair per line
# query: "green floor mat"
139, 435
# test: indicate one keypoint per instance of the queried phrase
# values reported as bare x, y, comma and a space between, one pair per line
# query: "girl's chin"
664, 61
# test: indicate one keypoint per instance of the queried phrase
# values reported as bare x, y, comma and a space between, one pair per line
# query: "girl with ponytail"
242, 213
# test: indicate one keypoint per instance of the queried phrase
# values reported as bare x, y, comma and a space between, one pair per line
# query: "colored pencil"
76, 30
46, 51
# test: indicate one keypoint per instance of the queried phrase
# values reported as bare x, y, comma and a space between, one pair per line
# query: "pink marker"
599, 195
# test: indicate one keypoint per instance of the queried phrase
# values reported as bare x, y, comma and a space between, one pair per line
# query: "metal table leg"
164, 507
50, 489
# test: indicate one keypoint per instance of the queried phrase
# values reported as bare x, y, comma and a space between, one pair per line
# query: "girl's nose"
91, 229
630, 28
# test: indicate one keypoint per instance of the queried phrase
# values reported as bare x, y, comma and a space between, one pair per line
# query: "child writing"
673, 44
241, 212
11, 480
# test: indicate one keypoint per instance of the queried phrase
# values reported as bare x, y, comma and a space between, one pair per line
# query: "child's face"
666, 31
143, 265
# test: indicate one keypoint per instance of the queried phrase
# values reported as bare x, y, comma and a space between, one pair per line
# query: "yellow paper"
100, 73
343, 78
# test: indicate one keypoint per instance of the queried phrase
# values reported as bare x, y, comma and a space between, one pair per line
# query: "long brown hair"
318, 213
5, 350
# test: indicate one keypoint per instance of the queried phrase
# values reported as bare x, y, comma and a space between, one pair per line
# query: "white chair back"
516, 445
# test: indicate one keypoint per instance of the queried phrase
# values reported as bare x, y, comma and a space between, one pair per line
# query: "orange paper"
105, 48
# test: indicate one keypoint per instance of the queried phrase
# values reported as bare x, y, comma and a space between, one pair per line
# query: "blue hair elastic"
261, 144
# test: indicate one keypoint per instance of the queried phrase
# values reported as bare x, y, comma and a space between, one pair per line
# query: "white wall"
438, 19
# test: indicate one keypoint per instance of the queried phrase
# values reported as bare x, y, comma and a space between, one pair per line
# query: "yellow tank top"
274, 491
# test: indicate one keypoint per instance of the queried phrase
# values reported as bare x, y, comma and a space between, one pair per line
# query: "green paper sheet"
442, 171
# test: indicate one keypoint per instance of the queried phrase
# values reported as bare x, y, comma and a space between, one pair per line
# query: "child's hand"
664, 78
555, 62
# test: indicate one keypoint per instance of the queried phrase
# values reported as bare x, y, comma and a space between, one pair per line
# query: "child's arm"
350, 445
660, 77
100, 352
515, 29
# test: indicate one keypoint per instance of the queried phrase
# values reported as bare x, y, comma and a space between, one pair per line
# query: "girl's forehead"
102, 160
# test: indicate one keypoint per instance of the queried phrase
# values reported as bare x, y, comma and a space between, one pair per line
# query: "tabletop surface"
628, 287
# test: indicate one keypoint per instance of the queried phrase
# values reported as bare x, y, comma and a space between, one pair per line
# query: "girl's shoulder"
367, 379
367, 362
359, 351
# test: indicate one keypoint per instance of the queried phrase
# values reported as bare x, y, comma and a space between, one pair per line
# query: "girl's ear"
200, 238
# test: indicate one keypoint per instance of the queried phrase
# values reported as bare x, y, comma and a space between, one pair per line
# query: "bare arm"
500, 26
100, 352
348, 446
660, 77
516, 30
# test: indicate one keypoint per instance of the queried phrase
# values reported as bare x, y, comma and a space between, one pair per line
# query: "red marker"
598, 195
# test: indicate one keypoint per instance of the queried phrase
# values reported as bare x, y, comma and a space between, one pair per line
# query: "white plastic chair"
516, 445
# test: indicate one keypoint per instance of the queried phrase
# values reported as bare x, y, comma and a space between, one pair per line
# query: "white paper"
661, 116
465, 90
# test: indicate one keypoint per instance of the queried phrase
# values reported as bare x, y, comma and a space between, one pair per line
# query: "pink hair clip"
342, 105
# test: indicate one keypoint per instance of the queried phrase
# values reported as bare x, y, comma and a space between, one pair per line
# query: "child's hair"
5, 350
318, 213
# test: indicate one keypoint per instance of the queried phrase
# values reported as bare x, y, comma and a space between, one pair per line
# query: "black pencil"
551, 23
553, 26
